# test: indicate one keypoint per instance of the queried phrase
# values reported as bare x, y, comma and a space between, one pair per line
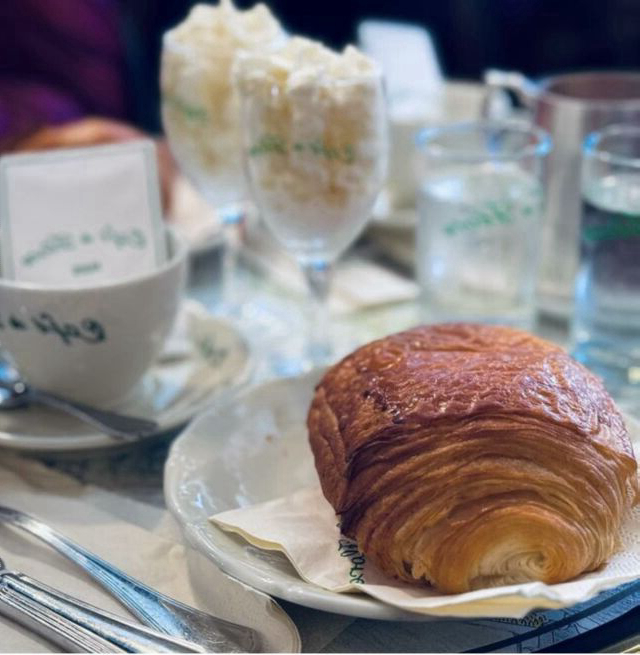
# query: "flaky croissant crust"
471, 455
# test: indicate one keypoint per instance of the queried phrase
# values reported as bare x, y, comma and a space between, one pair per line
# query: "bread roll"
470, 456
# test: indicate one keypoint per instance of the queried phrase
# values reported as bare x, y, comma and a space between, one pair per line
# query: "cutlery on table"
16, 393
76, 626
154, 609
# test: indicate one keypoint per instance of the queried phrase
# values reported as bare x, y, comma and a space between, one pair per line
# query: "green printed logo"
208, 349
499, 212
122, 239
87, 269
50, 245
273, 144
189, 111
348, 548
67, 242
88, 330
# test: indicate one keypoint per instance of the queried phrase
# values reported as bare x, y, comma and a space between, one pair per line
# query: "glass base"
296, 355
279, 334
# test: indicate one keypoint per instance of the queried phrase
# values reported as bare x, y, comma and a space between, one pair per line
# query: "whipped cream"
200, 108
315, 136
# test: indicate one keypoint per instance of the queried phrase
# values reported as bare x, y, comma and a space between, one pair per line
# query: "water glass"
606, 326
480, 201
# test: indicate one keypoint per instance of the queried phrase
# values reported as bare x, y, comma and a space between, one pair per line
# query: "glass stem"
319, 343
233, 224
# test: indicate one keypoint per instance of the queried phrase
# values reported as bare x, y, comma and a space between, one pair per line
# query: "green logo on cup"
88, 330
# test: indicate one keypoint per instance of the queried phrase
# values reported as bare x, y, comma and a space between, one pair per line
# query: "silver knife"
76, 626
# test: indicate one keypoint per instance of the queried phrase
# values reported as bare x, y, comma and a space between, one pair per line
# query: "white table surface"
137, 474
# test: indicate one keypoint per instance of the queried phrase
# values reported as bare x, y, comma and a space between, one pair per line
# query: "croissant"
470, 456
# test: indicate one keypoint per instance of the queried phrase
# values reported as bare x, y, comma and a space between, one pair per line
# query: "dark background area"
534, 36
64, 59
537, 37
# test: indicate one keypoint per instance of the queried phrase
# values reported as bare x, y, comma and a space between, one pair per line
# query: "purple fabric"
59, 60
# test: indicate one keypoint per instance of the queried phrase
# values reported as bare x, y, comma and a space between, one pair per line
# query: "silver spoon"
15, 393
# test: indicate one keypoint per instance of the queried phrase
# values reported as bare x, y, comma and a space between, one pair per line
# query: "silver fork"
153, 608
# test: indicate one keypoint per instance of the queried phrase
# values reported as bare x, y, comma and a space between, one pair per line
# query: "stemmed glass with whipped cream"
315, 146
201, 112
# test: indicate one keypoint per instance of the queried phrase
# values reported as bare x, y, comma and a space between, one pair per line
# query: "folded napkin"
407, 55
304, 527
140, 539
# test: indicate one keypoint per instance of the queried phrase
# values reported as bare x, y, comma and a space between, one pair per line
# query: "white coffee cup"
92, 344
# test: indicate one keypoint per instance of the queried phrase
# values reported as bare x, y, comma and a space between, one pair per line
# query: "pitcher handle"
525, 89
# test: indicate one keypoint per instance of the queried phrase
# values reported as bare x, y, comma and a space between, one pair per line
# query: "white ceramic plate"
204, 359
252, 450
255, 449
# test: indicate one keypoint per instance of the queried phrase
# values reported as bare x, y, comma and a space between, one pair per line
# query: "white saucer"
250, 450
205, 359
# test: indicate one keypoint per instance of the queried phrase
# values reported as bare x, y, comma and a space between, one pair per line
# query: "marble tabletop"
136, 472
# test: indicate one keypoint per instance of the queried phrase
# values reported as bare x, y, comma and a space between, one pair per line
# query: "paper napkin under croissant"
304, 527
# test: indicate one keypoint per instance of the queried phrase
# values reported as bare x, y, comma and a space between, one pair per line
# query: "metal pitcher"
568, 107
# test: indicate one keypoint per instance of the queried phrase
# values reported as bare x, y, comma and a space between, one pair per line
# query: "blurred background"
101, 56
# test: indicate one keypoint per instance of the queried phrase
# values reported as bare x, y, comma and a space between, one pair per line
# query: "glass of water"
606, 326
480, 201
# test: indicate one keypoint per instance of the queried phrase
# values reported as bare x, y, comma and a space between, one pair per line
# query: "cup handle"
525, 90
